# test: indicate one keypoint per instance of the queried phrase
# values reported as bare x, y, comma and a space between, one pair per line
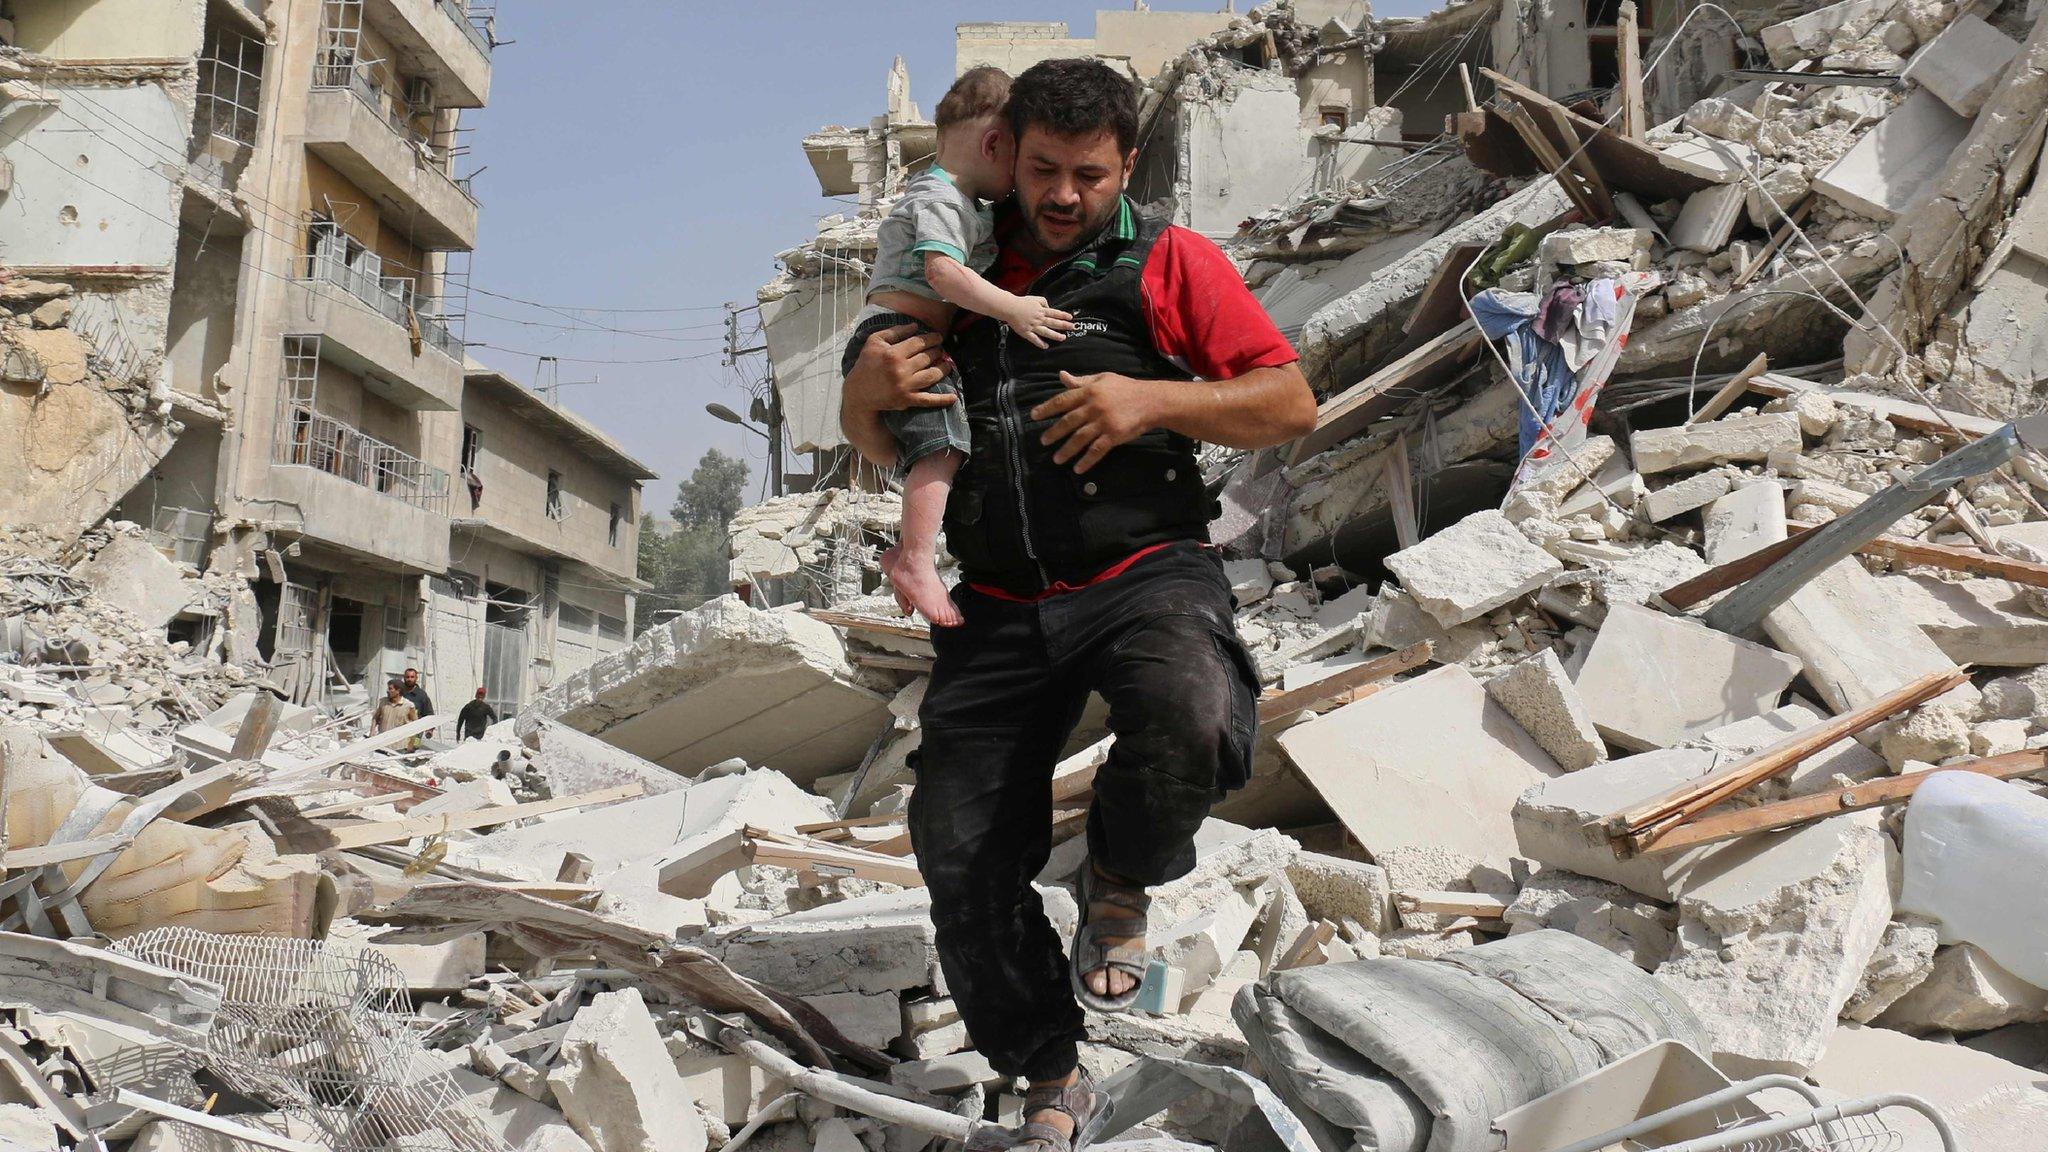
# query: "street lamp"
772, 435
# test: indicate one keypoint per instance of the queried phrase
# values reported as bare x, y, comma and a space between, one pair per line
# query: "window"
610, 627
613, 532
471, 440
1336, 116
554, 495
575, 618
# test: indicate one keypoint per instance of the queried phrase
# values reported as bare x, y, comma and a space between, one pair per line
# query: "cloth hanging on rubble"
1538, 365
1559, 311
1566, 429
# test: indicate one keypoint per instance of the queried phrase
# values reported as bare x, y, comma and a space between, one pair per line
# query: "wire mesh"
1848, 1134
324, 1035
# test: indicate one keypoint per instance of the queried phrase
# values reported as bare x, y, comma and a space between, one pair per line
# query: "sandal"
1082, 1102
1090, 955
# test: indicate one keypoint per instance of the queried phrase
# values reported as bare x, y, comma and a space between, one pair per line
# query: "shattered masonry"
1628, 714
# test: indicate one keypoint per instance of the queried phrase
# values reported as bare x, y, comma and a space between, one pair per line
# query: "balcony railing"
309, 439
392, 297
474, 22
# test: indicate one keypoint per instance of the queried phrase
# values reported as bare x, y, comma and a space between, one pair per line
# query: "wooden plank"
376, 742
259, 724
1442, 303
855, 622
1777, 241
853, 822
1629, 165
1725, 397
1400, 481
1492, 144
893, 662
411, 828
1350, 411
1628, 51
1802, 809
1477, 905
1636, 825
1548, 159
1322, 692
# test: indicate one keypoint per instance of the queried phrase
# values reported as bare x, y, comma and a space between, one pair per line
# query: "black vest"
1020, 522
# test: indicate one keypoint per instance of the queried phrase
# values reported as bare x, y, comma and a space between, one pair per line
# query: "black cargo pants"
1159, 643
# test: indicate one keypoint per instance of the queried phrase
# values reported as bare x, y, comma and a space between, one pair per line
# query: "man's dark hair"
1076, 97
978, 92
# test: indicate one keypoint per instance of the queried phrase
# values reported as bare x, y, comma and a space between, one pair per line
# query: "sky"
640, 164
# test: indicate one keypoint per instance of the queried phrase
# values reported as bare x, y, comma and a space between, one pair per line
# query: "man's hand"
1096, 413
1038, 321
893, 370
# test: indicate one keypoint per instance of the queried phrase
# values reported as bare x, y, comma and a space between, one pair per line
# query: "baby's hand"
1036, 321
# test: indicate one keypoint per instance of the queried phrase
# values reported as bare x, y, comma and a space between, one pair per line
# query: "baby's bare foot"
917, 584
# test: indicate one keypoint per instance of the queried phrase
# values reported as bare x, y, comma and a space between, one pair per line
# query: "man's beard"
1081, 233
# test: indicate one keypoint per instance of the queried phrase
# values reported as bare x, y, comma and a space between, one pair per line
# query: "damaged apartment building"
236, 248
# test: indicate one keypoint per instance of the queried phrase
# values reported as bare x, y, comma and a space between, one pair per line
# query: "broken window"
554, 507
613, 533
471, 441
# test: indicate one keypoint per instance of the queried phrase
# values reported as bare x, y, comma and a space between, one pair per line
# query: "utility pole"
772, 416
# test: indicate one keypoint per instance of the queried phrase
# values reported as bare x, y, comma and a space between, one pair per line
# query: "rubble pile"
1655, 679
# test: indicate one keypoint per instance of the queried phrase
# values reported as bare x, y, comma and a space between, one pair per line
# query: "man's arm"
895, 367
1261, 408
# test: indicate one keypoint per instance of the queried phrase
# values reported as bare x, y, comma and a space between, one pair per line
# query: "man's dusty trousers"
1159, 643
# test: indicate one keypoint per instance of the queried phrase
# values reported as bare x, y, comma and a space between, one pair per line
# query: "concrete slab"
1695, 491
1966, 991
1541, 697
1428, 761
1471, 568
1718, 161
1748, 518
1815, 33
130, 573
1884, 172
1709, 218
1964, 63
725, 680
1855, 643
617, 1085
1653, 681
1732, 439
870, 944
1803, 920
1974, 621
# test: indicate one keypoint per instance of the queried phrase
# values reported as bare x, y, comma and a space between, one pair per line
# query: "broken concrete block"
618, 1086
1332, 888
25, 1128
1883, 173
1964, 63
1397, 621
1427, 761
1695, 491
870, 1019
726, 1088
1966, 991
1638, 930
1855, 643
1749, 517
1973, 621
1471, 568
1728, 440
1641, 575
130, 573
1998, 737
946, 1075
726, 680
1723, 120
1715, 161
1930, 734
1904, 958
1543, 700
1197, 949
1815, 33
1652, 680
1587, 245
1782, 189
1709, 218
435, 969
1803, 920
870, 944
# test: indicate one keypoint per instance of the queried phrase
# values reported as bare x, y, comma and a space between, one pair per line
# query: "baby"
932, 248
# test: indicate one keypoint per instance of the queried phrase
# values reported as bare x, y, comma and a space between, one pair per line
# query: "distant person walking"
475, 717
395, 711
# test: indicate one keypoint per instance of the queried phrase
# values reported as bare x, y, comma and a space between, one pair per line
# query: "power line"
593, 359
595, 308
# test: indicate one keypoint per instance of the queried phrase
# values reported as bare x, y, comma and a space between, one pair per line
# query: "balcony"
359, 494
440, 40
377, 150
366, 322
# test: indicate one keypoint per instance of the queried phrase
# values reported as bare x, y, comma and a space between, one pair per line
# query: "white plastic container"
1976, 860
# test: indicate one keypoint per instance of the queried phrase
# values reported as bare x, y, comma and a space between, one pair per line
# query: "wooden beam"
376, 742
1635, 826
1350, 411
1548, 159
1400, 481
1477, 905
1330, 688
1628, 50
1802, 809
893, 662
411, 828
1622, 163
1725, 397
259, 724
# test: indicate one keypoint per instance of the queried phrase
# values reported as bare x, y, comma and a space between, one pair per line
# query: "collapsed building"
236, 273
1652, 742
